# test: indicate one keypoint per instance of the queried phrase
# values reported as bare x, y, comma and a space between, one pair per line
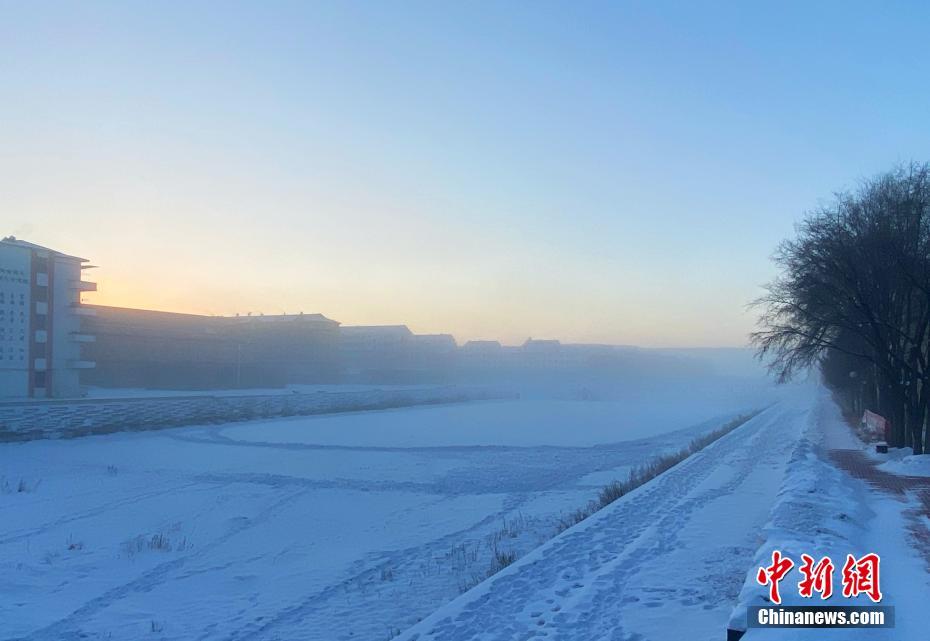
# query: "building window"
40, 379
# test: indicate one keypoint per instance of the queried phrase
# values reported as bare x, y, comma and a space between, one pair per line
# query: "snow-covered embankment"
28, 420
823, 511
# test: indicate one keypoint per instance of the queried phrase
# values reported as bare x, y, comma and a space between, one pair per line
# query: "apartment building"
41, 314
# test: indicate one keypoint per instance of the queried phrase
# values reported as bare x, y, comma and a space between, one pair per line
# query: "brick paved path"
858, 465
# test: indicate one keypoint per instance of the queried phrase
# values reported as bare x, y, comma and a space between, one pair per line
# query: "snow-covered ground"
666, 561
328, 527
904, 462
823, 511
670, 559
552, 423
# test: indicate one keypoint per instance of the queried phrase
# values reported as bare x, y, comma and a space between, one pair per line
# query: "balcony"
78, 337
40, 365
41, 308
42, 279
79, 364
41, 336
83, 286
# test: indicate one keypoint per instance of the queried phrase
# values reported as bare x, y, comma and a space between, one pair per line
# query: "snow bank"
907, 465
901, 461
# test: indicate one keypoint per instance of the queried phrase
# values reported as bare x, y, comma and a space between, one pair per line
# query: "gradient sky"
602, 172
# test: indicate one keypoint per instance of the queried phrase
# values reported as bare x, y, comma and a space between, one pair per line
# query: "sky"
613, 172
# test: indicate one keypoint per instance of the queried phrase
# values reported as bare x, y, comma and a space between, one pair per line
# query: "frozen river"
351, 526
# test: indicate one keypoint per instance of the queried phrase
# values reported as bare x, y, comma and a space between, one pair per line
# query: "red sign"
877, 424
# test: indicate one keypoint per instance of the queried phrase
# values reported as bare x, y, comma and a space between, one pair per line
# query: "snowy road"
664, 562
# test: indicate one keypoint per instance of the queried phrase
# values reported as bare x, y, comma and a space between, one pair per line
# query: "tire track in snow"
216, 437
307, 618
284, 481
571, 463
303, 619
404, 562
19, 535
609, 583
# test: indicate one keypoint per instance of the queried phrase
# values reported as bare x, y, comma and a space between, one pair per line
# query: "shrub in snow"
21, 487
648, 471
159, 542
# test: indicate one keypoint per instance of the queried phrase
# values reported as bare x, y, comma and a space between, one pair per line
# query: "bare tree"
856, 282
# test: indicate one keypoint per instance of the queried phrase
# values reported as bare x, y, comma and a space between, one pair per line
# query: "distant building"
41, 314
366, 338
542, 352
538, 346
590, 354
434, 353
283, 349
482, 347
375, 353
481, 354
151, 349
167, 350
394, 354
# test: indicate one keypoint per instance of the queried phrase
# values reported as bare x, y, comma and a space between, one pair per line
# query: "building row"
52, 344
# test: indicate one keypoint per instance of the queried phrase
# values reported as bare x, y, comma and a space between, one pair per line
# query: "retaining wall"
28, 420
